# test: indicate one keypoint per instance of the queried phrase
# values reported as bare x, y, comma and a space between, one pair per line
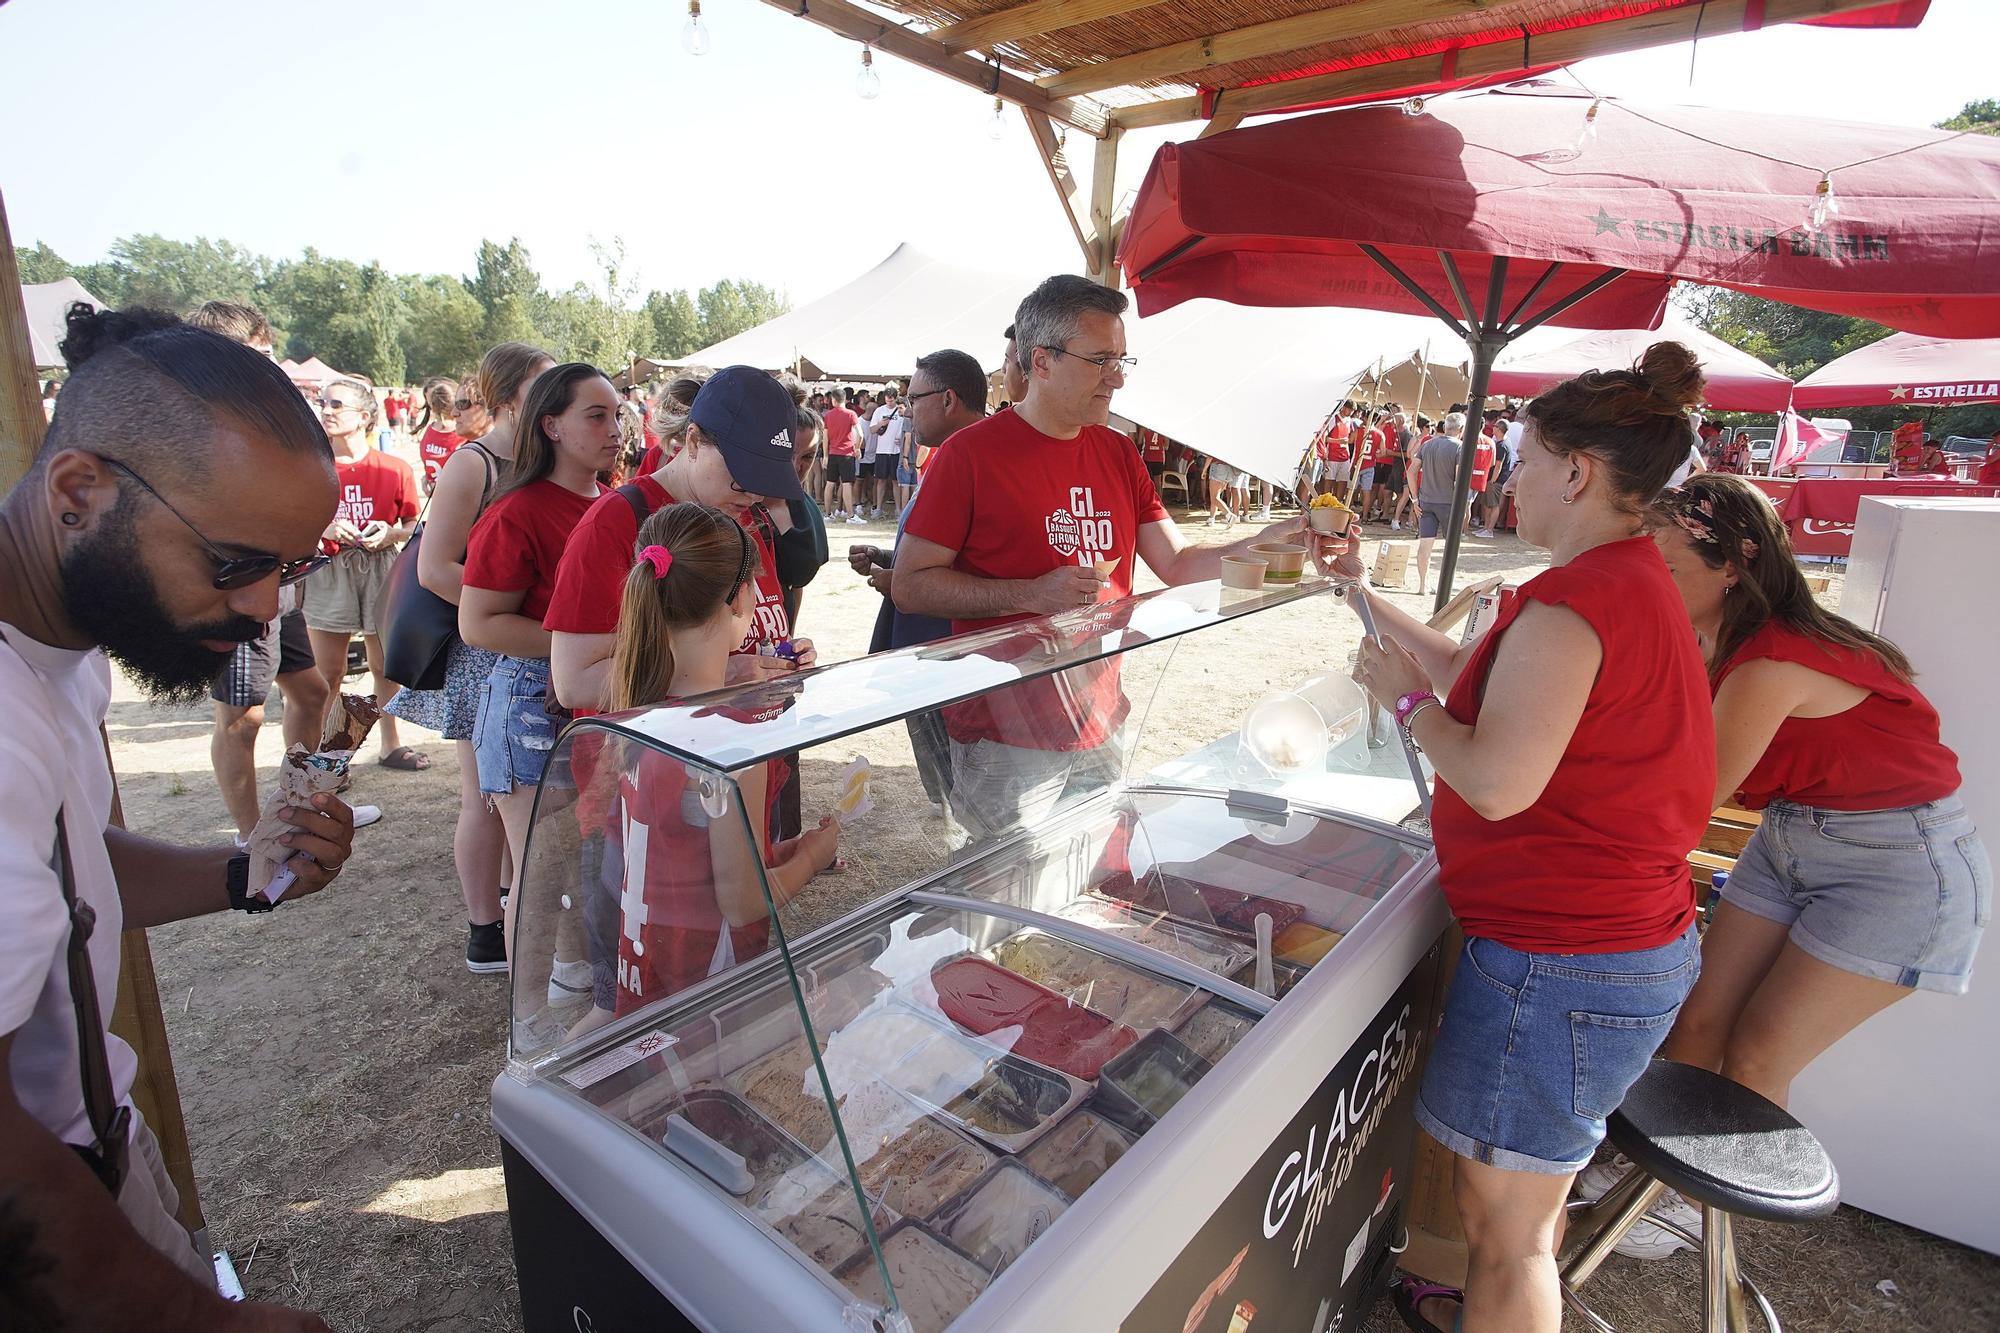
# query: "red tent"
1737, 381
1502, 211
1907, 370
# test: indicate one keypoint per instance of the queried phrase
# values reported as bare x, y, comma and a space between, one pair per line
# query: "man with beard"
182, 482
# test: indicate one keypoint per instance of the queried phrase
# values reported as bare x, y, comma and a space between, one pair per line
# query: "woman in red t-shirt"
1574, 771
1865, 880
567, 437
694, 899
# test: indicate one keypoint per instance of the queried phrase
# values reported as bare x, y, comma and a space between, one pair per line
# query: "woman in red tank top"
1865, 879
1573, 775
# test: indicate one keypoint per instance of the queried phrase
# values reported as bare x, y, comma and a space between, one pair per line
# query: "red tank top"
1598, 864
671, 929
1881, 754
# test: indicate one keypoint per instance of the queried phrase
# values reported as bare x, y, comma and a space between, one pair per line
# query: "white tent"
47, 304
1245, 384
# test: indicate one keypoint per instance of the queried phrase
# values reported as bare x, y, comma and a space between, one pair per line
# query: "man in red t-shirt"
842, 435
1038, 509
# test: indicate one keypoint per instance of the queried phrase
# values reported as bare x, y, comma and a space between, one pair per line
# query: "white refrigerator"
1909, 1103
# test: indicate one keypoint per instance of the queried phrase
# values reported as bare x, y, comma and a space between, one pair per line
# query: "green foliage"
397, 329
1981, 117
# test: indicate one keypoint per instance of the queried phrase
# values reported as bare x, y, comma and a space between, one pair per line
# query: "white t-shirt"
52, 756
890, 441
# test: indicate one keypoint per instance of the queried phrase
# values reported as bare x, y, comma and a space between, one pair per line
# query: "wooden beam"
860, 25
1314, 28
135, 1016
1104, 209
1069, 190
986, 31
1491, 60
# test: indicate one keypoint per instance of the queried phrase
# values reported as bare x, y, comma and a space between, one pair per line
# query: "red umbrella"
1737, 381
1907, 370
1534, 205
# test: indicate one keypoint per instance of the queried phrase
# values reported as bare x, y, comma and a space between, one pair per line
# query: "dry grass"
334, 1049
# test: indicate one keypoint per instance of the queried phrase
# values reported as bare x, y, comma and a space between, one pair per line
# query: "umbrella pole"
1486, 344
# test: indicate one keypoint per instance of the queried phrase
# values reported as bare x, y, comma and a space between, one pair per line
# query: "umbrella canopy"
1737, 381
1502, 211
1907, 370
47, 305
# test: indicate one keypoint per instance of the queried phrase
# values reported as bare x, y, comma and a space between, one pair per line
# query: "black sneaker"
485, 948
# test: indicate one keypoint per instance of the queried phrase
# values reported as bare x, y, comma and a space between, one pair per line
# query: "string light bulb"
997, 124
1588, 134
1415, 107
868, 84
1825, 206
694, 33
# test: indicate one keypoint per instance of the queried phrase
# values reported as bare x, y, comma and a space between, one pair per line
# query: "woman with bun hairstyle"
1866, 880
466, 484
686, 605
1574, 771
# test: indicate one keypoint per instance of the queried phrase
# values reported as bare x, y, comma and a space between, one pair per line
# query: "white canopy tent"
1244, 384
47, 304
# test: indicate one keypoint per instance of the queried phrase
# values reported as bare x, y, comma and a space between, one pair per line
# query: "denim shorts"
514, 734
1898, 895
1536, 1049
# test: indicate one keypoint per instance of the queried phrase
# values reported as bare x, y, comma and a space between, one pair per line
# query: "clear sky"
404, 132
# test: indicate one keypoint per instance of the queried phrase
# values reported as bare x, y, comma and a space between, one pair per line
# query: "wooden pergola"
1103, 67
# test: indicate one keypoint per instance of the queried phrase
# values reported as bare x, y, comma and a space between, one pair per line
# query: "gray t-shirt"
1438, 457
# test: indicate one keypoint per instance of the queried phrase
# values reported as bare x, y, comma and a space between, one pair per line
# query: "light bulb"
1414, 107
1825, 207
694, 33
997, 126
1588, 133
868, 84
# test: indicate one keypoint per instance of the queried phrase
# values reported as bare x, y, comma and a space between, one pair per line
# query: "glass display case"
845, 990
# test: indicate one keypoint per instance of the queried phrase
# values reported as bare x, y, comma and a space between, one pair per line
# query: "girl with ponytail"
687, 603
1865, 880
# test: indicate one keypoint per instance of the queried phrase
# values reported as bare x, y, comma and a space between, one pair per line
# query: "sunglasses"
231, 572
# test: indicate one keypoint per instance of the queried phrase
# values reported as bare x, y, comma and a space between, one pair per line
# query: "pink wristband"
1409, 702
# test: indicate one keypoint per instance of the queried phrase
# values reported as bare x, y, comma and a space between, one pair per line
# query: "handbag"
419, 627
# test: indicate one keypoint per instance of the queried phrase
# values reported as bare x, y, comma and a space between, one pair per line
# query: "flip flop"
405, 758
1410, 1293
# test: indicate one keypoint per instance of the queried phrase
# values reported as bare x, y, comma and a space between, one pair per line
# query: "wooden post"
136, 1017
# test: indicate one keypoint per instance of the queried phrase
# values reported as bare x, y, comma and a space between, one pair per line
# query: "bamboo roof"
1105, 65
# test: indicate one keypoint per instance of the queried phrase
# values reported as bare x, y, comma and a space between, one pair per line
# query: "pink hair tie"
660, 558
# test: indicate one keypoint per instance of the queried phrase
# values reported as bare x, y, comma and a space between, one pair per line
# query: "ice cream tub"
1147, 1081
1076, 1153
935, 1281
998, 1217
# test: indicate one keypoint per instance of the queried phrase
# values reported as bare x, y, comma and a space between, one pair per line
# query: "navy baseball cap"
749, 416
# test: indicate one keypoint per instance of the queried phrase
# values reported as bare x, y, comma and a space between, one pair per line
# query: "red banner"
1820, 511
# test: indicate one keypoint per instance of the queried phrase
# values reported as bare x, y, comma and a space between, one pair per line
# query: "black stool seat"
1721, 1144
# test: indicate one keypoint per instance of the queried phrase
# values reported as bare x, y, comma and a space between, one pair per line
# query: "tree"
671, 324
38, 263
503, 271
1981, 117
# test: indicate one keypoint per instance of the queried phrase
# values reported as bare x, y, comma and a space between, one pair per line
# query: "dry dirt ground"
335, 1058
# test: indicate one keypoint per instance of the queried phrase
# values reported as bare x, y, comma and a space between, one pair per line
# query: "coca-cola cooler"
1123, 1031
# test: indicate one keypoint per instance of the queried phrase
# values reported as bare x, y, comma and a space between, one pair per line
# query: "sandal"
403, 757
1410, 1293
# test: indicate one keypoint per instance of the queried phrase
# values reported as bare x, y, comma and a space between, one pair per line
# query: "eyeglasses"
231, 572
1104, 364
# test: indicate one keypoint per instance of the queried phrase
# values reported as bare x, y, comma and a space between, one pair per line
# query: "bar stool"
1723, 1147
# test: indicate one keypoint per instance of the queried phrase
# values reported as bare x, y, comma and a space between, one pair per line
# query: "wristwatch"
237, 879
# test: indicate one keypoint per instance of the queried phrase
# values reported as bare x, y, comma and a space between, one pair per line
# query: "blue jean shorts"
513, 735
1902, 896
1536, 1049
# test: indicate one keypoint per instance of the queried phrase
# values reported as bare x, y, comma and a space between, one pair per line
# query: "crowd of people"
194, 517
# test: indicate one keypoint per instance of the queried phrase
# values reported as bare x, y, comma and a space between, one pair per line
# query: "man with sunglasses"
181, 484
